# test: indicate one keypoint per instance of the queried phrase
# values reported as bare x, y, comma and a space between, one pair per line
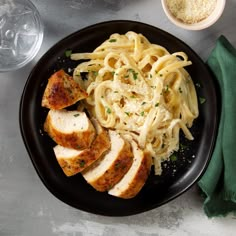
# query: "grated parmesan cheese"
191, 11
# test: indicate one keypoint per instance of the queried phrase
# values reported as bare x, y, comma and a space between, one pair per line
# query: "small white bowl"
207, 22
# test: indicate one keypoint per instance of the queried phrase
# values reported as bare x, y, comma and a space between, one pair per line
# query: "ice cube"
25, 43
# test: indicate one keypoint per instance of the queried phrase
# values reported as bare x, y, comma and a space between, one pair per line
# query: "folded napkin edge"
219, 200
225, 42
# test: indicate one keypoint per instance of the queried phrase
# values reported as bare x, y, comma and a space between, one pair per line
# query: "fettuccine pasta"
140, 90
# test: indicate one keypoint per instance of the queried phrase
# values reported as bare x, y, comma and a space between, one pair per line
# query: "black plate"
177, 176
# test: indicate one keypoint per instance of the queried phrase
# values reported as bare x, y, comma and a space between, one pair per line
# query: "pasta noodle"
140, 90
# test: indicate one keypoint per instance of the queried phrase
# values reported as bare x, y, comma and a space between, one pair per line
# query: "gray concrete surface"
27, 208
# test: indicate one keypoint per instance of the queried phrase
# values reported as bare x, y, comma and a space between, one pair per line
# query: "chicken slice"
62, 91
71, 129
110, 169
74, 161
135, 178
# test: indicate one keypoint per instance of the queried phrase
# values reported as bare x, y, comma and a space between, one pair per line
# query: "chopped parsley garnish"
202, 100
157, 104
132, 96
108, 110
143, 103
142, 113
112, 40
68, 53
76, 115
150, 75
115, 91
160, 75
182, 146
173, 157
127, 113
117, 165
153, 87
81, 163
135, 74
166, 88
180, 90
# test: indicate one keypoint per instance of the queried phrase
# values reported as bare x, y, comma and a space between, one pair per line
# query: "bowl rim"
207, 22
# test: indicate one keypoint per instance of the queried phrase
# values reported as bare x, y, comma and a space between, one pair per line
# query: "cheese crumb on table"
191, 11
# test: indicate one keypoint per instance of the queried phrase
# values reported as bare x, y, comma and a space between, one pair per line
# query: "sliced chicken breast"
110, 169
71, 129
62, 91
74, 161
135, 178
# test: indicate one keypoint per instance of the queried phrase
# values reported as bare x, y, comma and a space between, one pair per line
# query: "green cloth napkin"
219, 181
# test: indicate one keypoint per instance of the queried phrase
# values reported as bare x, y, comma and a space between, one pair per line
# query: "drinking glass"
21, 33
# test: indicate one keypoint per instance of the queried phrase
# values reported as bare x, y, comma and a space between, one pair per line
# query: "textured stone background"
27, 208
